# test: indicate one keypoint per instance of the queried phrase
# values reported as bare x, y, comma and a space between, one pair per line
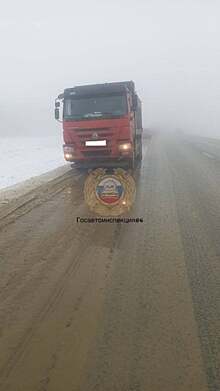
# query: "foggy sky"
170, 48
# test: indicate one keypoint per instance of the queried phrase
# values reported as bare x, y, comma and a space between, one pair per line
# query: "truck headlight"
68, 156
68, 151
125, 147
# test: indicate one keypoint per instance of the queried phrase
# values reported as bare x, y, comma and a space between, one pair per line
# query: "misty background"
170, 48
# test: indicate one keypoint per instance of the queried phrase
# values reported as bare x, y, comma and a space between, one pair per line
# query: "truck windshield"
95, 107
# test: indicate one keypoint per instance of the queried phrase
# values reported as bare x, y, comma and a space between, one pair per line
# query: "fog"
169, 48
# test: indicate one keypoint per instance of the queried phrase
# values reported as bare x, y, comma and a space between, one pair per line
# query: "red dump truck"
102, 124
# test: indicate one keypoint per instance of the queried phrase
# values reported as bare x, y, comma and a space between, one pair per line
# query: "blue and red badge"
109, 194
109, 190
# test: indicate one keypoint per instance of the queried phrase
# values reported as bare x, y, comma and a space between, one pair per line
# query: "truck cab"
102, 124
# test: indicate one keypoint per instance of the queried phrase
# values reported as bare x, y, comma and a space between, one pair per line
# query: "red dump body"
102, 124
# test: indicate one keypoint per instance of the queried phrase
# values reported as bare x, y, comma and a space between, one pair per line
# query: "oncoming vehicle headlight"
68, 152
125, 147
68, 156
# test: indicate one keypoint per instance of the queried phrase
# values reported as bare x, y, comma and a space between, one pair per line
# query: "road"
107, 307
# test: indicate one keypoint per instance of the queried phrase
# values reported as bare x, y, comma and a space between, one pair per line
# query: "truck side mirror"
57, 104
57, 114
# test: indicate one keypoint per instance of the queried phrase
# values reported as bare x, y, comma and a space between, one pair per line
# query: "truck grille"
86, 134
83, 135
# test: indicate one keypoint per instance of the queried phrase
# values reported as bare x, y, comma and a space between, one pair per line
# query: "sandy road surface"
129, 307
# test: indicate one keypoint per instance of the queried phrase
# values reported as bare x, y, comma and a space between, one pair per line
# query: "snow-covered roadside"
22, 158
20, 189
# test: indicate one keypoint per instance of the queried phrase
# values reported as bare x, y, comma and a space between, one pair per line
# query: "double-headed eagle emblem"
109, 194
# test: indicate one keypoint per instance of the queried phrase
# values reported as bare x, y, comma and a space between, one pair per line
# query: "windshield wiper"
95, 114
101, 113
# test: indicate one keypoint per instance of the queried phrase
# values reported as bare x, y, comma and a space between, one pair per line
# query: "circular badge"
109, 190
109, 194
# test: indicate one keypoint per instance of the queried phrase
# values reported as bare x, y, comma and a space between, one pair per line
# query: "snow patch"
22, 158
